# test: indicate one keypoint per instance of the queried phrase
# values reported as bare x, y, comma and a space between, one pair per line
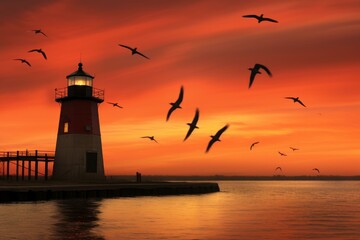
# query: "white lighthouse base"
78, 157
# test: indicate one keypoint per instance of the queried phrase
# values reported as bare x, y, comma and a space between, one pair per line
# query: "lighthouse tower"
78, 154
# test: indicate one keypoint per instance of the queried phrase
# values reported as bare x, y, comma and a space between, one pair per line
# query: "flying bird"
152, 138
115, 104
252, 145
260, 18
278, 168
39, 51
294, 149
296, 99
176, 104
37, 31
255, 70
216, 137
282, 154
23, 61
134, 51
192, 125
315, 169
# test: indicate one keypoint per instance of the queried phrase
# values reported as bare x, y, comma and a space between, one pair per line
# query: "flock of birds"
22, 60
176, 105
193, 125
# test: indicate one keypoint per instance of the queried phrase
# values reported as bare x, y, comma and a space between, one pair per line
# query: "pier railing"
29, 160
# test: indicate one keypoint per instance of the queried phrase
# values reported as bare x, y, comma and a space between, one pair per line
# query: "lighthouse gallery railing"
63, 92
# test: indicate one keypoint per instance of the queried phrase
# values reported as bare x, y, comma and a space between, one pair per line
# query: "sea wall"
58, 191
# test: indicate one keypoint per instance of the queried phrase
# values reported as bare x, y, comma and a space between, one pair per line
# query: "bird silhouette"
252, 145
152, 138
278, 168
134, 51
115, 104
192, 125
23, 61
315, 169
296, 99
39, 51
216, 137
37, 31
176, 104
282, 154
255, 70
260, 18
294, 149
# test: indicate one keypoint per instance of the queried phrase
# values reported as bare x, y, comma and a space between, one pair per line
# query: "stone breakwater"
19, 193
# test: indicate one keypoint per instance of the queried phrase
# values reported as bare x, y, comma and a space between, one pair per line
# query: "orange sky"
206, 46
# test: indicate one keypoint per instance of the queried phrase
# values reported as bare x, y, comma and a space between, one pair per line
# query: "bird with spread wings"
176, 104
255, 70
216, 138
133, 51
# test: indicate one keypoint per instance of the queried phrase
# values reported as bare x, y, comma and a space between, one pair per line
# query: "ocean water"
242, 210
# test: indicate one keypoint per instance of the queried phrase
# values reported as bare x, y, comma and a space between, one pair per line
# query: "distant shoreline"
232, 178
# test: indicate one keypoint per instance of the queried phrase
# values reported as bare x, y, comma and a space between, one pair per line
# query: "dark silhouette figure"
152, 138
282, 154
296, 99
39, 51
260, 18
38, 31
23, 61
252, 145
294, 149
192, 125
134, 51
315, 169
255, 70
176, 104
115, 104
216, 137
138, 177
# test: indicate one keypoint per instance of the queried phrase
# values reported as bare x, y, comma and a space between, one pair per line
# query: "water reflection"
76, 219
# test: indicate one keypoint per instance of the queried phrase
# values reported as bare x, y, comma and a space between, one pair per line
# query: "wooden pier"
26, 164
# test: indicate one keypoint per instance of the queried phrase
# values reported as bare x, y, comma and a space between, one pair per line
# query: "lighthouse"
78, 154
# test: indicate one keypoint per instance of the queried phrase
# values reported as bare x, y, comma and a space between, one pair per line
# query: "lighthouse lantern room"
78, 154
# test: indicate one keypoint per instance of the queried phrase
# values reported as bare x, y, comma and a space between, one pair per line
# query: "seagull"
296, 99
134, 51
176, 104
294, 149
252, 145
255, 70
115, 104
23, 61
37, 31
315, 169
192, 125
216, 137
278, 168
39, 51
260, 18
282, 154
151, 138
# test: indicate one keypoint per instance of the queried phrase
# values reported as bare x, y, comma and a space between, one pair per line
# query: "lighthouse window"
66, 127
80, 81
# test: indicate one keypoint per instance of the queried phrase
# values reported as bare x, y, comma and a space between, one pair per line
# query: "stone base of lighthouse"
81, 163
